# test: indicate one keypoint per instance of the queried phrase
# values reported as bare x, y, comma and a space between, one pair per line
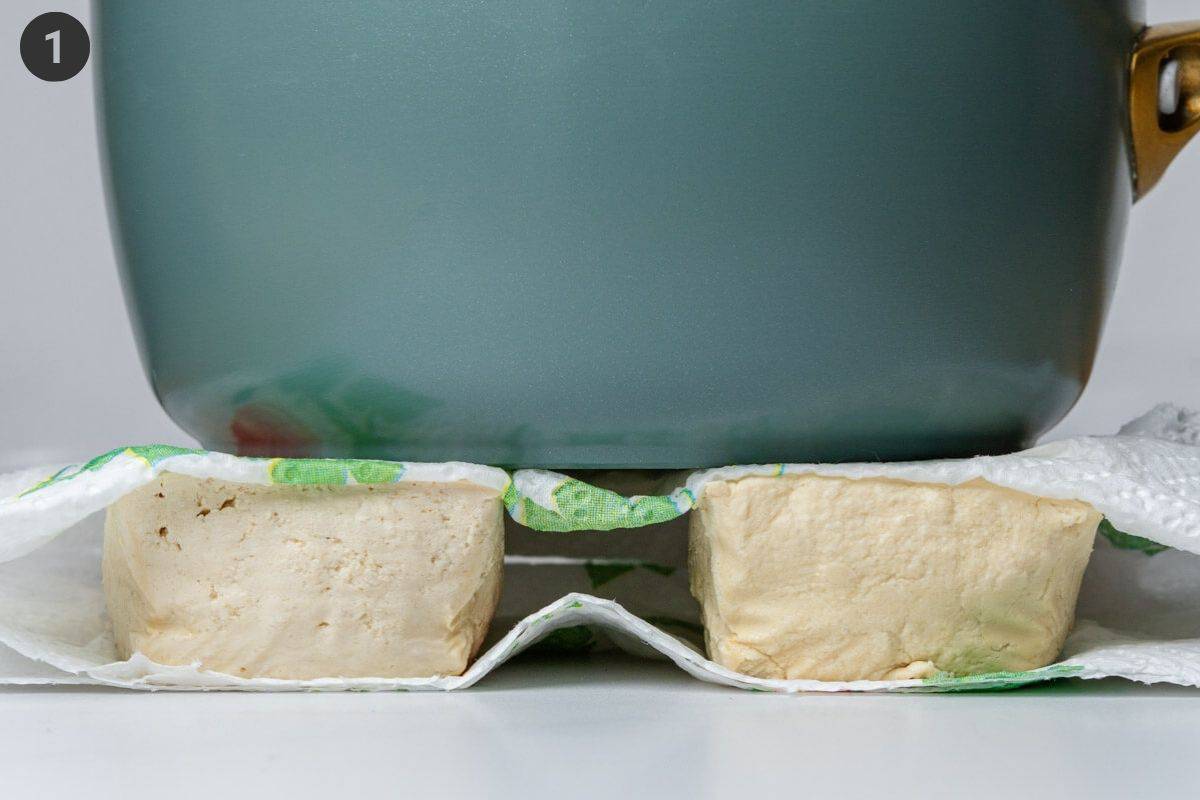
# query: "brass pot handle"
1164, 98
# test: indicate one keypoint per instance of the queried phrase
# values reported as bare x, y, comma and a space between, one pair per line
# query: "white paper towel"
1139, 614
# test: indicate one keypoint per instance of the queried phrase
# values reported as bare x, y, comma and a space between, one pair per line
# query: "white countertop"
603, 726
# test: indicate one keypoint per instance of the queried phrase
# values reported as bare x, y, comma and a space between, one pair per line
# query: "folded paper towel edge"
1145, 480
1100, 654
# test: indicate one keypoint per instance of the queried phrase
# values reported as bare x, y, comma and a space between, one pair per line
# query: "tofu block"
392, 581
838, 580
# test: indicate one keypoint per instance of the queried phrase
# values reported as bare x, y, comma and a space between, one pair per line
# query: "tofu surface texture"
396, 580
838, 579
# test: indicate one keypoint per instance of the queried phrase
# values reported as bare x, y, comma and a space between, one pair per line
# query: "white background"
71, 386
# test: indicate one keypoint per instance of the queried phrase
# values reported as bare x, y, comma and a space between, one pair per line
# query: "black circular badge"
55, 46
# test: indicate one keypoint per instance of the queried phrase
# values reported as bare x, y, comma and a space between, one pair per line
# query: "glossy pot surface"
622, 234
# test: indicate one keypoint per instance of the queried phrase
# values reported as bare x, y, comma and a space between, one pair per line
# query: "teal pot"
628, 234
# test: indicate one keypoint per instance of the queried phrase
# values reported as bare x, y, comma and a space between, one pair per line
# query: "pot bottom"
690, 455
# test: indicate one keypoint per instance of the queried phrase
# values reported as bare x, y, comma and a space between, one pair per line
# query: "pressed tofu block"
838, 579
393, 580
